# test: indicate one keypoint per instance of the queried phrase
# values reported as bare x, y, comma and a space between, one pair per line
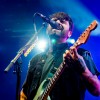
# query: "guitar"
43, 92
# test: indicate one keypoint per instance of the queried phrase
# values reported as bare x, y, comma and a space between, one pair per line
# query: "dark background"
16, 28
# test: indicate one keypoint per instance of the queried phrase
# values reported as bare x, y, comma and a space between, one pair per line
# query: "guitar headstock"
85, 35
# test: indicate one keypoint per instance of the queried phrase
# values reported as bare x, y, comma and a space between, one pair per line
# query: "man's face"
60, 33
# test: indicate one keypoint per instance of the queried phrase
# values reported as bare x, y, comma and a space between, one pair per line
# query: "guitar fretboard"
52, 81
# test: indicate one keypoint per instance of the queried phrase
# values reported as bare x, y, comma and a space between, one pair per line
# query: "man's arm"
22, 95
91, 81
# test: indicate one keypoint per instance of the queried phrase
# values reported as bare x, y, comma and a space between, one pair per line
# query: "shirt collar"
59, 47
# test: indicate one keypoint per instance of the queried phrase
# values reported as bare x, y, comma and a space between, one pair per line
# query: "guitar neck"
52, 81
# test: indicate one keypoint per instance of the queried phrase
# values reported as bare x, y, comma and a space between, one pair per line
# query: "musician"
79, 73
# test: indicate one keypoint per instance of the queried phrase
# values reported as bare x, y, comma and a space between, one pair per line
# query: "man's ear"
69, 34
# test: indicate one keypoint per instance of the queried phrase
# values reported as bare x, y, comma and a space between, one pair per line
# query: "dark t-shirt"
69, 85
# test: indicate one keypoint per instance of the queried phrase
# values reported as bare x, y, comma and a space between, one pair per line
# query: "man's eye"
55, 19
62, 21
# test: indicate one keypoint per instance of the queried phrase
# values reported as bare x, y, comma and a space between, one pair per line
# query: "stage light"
71, 40
41, 45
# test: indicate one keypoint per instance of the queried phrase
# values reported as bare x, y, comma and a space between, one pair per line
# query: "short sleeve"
89, 61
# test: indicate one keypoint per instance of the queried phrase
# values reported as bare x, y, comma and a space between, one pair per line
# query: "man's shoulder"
39, 55
37, 59
82, 51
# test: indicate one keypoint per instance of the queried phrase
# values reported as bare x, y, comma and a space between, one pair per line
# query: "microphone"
53, 23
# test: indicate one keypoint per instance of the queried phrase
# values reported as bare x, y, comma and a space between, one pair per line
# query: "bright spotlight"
41, 45
71, 40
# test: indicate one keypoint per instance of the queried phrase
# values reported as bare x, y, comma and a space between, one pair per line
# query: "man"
79, 71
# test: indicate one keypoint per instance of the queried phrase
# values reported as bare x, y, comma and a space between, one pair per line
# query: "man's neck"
54, 44
60, 41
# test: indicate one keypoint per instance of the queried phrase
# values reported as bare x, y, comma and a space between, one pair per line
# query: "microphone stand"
17, 71
17, 62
